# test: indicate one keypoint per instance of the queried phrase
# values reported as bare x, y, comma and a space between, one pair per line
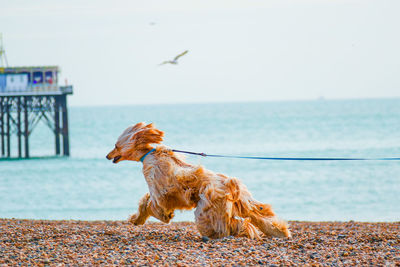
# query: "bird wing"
165, 62
181, 54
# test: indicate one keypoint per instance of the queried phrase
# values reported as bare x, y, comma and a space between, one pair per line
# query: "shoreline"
52, 242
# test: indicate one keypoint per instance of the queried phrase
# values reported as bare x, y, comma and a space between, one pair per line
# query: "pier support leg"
65, 135
8, 129
26, 124
2, 126
57, 124
20, 114
19, 127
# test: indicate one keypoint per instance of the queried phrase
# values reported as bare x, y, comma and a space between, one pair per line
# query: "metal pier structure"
29, 95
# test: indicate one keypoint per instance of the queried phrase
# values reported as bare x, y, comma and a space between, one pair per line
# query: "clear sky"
248, 50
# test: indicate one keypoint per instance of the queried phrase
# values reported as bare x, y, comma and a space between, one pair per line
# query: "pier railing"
42, 90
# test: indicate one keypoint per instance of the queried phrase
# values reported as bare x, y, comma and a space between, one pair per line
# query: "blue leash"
271, 158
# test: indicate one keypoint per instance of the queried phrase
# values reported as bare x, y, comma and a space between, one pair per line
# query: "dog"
223, 205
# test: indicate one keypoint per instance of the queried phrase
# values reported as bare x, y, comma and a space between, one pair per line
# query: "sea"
86, 186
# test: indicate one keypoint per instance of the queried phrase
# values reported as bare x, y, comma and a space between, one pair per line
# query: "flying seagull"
175, 60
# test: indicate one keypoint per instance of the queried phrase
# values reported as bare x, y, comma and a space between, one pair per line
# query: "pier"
29, 95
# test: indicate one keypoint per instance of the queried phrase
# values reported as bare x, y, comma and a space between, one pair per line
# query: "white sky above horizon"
239, 50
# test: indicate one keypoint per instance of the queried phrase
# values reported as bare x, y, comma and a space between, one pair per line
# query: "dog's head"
134, 142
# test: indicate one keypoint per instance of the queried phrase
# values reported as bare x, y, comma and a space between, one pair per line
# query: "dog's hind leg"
260, 214
271, 226
216, 221
146, 209
243, 227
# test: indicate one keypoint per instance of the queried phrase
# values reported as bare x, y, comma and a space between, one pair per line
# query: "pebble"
205, 238
42, 243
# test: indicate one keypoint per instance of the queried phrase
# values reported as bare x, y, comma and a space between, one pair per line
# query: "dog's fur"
223, 204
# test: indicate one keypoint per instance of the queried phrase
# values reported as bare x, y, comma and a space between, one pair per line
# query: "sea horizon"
321, 98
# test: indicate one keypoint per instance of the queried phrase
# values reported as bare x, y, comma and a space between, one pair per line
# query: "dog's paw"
136, 220
166, 218
170, 216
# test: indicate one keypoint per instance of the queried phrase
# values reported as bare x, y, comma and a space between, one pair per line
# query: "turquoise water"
86, 186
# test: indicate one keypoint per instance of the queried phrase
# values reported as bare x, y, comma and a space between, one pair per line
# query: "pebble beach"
53, 243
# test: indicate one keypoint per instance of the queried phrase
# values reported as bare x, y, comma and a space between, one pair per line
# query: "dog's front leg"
146, 209
143, 214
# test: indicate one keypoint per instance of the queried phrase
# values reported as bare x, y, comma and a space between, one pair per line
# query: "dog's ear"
149, 135
141, 125
132, 129
138, 126
150, 125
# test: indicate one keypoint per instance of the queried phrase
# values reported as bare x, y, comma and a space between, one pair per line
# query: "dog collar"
145, 155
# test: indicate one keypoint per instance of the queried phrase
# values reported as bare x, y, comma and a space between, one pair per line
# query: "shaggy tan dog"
223, 204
